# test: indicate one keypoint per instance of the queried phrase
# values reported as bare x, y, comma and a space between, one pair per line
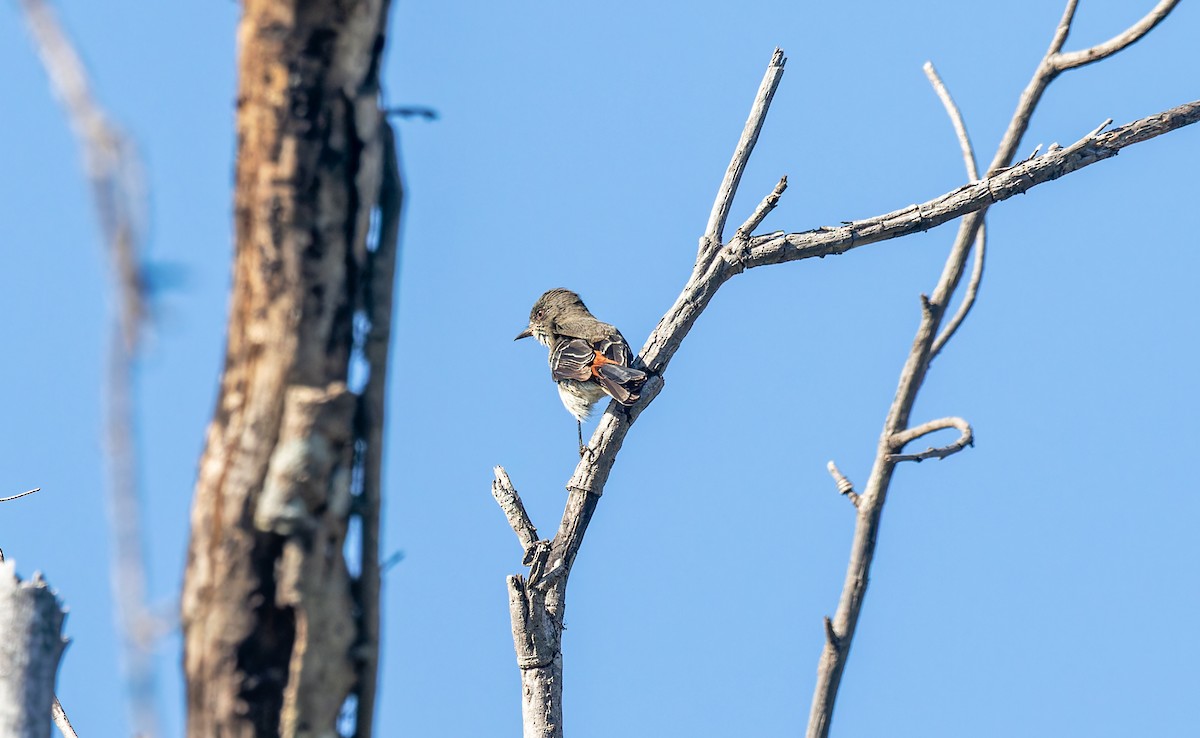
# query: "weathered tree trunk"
278, 630
31, 645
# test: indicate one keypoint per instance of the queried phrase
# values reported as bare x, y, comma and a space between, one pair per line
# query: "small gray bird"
588, 359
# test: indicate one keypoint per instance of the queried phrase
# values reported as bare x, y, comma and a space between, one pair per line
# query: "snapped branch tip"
830, 636
844, 485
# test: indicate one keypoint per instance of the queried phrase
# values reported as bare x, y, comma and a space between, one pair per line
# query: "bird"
588, 358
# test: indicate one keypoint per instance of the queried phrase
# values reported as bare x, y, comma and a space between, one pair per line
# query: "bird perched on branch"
588, 359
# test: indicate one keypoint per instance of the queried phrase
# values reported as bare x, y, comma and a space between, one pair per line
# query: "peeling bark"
272, 616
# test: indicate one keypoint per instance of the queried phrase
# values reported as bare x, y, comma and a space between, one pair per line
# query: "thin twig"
23, 494
844, 485
978, 257
412, 111
900, 440
1088, 139
762, 211
1062, 30
980, 251
956, 120
1073, 59
714, 232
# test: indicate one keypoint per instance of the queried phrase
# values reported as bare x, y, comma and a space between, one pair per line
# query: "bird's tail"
622, 383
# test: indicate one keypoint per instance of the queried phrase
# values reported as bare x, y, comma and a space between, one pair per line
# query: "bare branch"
979, 255
1063, 29
968, 154
762, 211
778, 248
1091, 136
1131, 35
23, 494
844, 485
956, 120
831, 664
591, 474
109, 160
537, 609
715, 230
115, 175
514, 509
900, 440
59, 715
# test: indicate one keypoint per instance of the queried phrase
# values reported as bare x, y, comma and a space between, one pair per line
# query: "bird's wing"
584, 326
601, 336
614, 348
571, 358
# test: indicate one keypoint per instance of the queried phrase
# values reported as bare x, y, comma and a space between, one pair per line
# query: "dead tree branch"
900, 440
1053, 164
1129, 36
967, 200
536, 604
61, 721
31, 644
844, 485
115, 175
514, 509
980, 252
715, 230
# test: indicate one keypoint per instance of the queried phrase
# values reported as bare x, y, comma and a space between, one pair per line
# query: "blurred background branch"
115, 176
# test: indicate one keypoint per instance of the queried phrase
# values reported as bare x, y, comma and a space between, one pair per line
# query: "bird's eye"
539, 315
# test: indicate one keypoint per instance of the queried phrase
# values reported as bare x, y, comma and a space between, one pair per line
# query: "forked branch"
1131, 35
980, 251
929, 339
536, 603
714, 231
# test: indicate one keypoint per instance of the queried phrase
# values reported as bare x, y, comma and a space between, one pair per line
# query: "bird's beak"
524, 334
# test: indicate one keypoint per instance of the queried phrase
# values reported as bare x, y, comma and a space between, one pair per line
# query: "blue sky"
1042, 583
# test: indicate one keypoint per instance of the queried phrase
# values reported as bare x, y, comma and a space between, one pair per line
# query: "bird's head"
547, 311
